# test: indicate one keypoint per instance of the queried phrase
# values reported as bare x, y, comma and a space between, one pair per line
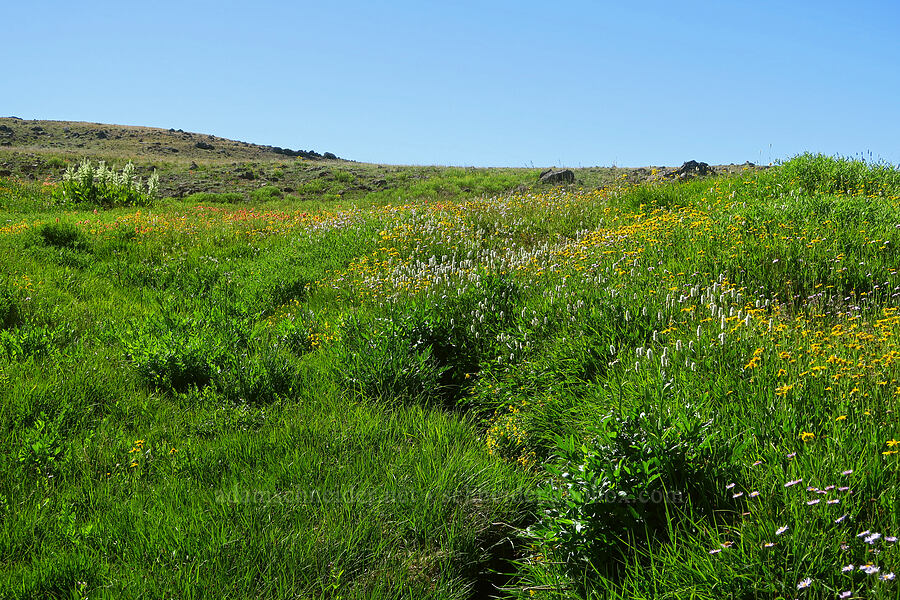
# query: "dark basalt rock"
557, 176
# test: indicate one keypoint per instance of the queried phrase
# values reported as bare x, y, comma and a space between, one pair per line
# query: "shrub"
104, 187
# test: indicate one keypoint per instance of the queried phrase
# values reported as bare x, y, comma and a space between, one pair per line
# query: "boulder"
687, 170
692, 168
204, 145
557, 176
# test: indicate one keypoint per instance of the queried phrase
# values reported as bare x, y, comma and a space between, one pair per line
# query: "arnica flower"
807, 436
841, 418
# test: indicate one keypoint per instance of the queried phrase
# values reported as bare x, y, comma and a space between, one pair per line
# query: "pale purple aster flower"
833, 501
891, 538
887, 577
843, 489
715, 551
792, 455
812, 502
872, 538
804, 584
738, 495
847, 472
756, 464
863, 534
768, 544
729, 486
840, 519
754, 494
870, 569
847, 568
781, 530
845, 595
810, 488
828, 488
793, 482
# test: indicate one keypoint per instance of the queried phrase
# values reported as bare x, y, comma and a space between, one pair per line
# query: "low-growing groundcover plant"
656, 391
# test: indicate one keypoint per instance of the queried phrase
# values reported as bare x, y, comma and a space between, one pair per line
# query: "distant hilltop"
100, 139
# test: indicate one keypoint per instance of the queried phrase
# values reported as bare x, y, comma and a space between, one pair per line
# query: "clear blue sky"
474, 83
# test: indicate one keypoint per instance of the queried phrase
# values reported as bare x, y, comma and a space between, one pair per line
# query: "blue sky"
474, 83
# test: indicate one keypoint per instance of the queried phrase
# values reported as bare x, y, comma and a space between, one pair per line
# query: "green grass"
596, 393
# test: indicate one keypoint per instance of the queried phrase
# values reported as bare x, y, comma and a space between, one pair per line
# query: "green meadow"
474, 389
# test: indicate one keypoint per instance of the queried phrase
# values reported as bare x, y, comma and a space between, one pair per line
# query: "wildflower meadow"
657, 390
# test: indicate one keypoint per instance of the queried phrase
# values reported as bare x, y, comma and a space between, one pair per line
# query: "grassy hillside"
641, 391
238, 172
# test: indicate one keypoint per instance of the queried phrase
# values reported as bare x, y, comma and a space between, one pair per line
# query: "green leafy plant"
105, 187
622, 486
42, 446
